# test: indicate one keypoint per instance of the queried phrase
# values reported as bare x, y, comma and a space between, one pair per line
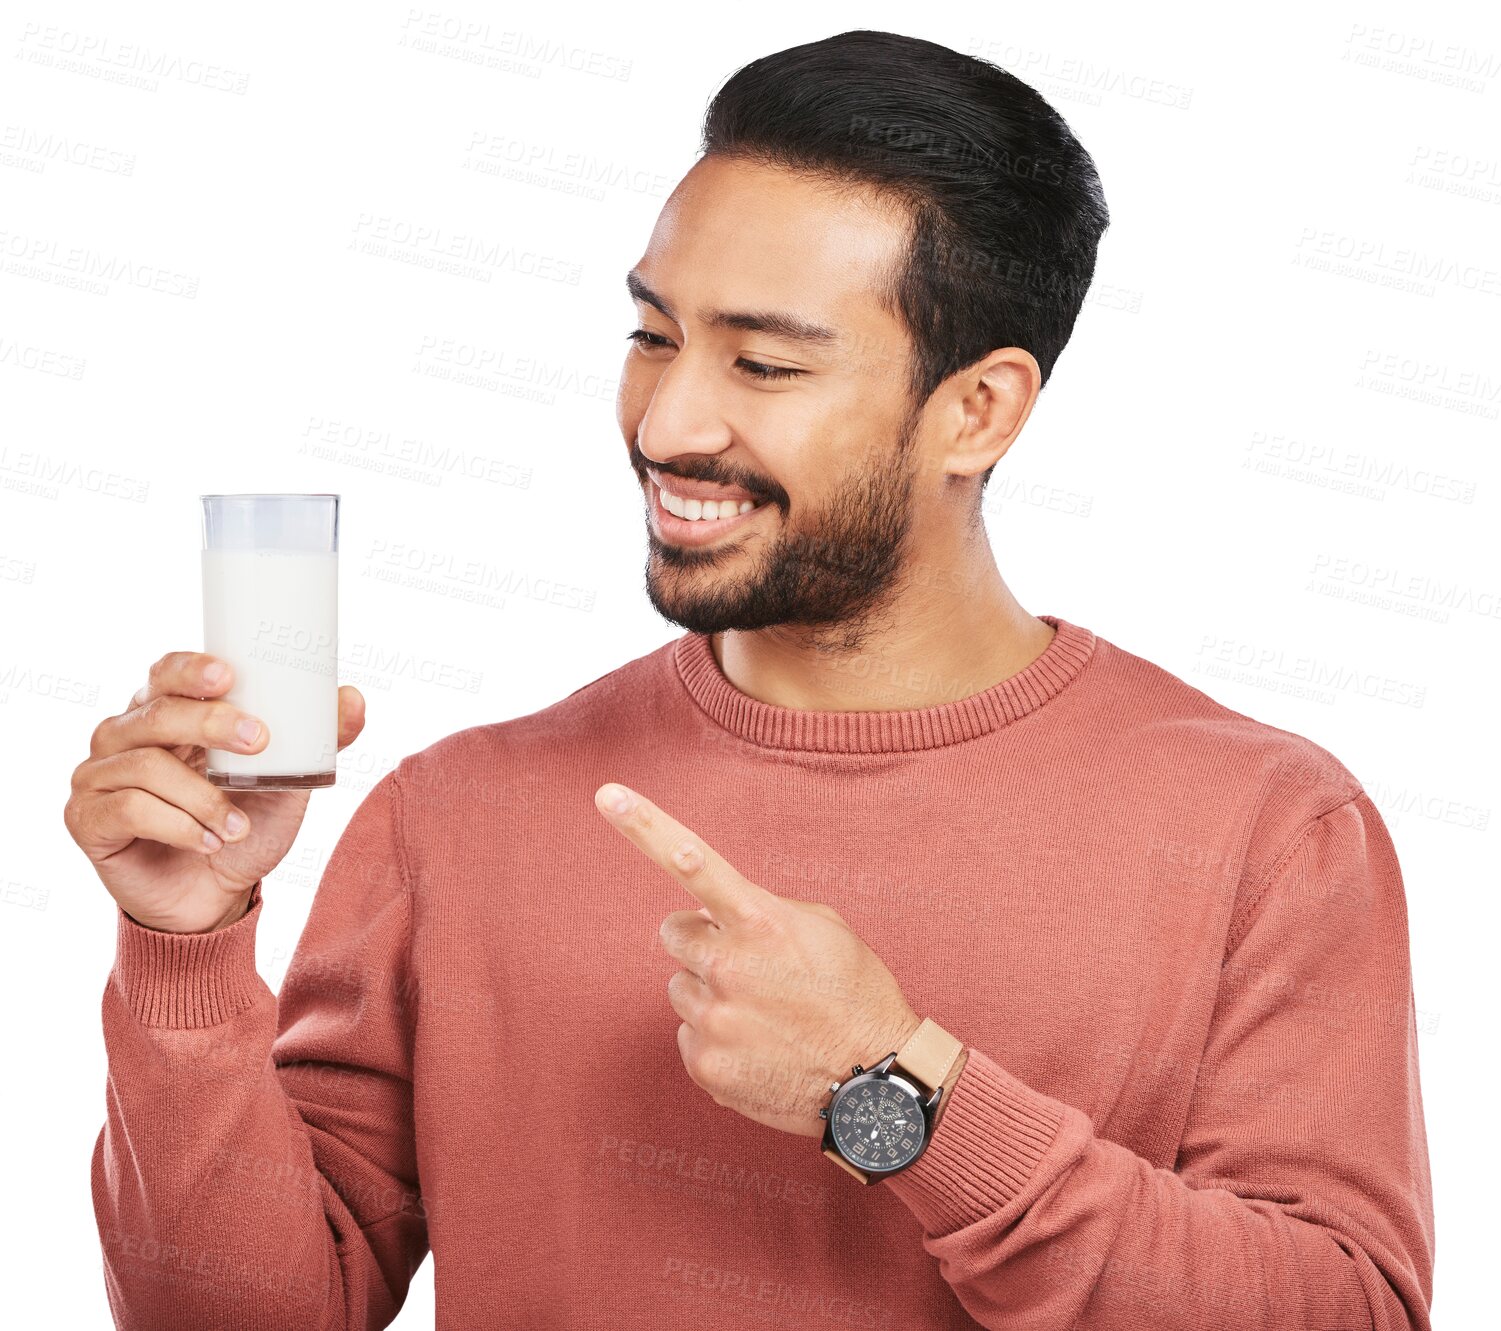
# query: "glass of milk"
271, 609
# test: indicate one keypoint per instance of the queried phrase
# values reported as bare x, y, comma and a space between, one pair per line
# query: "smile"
696, 521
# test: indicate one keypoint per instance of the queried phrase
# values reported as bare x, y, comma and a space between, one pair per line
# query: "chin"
708, 606
710, 613
696, 612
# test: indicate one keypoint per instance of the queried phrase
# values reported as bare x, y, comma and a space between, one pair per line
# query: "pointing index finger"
718, 885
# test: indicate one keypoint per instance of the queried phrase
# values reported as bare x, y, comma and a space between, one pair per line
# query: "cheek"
805, 445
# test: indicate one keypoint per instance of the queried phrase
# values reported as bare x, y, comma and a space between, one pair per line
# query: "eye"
644, 337
758, 371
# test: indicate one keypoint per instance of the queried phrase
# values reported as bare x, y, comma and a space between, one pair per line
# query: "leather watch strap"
929, 1054
928, 1057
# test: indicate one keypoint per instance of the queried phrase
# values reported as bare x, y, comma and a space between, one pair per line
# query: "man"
600, 1003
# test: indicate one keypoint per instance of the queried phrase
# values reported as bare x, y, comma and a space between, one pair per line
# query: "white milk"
273, 615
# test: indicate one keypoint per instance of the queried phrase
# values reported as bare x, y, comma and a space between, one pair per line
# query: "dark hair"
1006, 207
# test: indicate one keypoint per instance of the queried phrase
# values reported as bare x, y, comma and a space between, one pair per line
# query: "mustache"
764, 491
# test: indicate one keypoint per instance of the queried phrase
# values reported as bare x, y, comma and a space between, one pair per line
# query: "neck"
949, 629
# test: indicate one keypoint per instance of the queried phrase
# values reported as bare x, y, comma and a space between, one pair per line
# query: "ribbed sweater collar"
883, 732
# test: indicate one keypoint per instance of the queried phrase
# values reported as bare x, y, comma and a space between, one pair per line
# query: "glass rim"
288, 494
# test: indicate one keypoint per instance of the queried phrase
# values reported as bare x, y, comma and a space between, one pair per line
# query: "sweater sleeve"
1300, 1197
256, 1167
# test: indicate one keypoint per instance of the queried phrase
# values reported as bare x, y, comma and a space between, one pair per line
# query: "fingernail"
214, 673
618, 799
235, 823
211, 842
247, 729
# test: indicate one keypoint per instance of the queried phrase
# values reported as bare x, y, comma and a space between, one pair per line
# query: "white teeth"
703, 510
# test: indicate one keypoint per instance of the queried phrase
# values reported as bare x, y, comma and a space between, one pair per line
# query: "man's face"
826, 451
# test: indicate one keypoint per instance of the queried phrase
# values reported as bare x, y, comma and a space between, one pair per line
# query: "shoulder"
497, 759
1176, 733
1156, 708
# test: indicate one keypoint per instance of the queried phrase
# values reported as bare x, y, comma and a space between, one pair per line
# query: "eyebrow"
774, 323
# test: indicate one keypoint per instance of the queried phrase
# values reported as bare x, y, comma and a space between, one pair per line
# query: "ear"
990, 403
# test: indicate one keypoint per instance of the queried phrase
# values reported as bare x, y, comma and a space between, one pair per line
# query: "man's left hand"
778, 997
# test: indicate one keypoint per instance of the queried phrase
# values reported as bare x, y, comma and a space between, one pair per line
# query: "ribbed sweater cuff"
187, 981
986, 1146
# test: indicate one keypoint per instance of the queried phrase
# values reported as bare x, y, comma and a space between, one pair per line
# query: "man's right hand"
172, 848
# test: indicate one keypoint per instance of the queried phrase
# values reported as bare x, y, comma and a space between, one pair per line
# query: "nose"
683, 415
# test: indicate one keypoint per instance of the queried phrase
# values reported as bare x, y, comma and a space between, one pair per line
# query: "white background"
1267, 460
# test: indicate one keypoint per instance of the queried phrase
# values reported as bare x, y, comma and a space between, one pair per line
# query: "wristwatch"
881, 1120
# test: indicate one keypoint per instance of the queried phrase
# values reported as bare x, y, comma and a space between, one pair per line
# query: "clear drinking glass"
271, 609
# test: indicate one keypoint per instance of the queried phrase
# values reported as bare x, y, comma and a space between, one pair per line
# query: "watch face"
877, 1124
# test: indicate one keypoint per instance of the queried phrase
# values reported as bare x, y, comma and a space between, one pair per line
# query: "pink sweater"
1173, 939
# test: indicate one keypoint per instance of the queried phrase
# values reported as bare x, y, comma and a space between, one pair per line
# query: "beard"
830, 573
